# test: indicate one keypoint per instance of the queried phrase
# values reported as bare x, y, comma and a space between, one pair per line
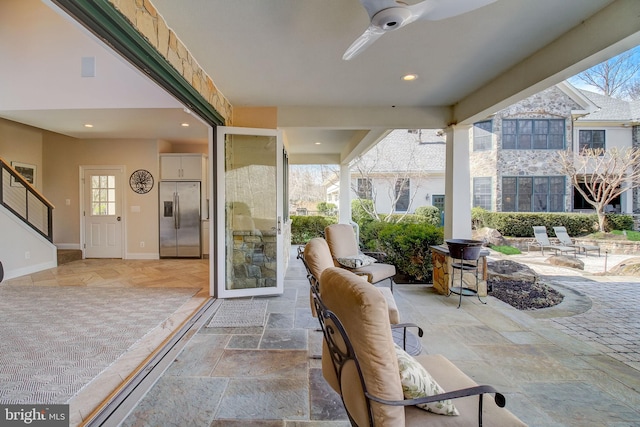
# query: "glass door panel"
249, 212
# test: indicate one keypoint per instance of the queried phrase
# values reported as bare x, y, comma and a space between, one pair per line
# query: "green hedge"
406, 246
431, 213
305, 228
520, 224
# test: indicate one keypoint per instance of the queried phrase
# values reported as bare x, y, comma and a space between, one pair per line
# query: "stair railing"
22, 199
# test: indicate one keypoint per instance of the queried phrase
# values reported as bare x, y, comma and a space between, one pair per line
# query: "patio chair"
316, 258
565, 239
542, 241
361, 363
346, 254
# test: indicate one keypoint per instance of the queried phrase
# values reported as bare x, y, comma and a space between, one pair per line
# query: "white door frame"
123, 209
219, 258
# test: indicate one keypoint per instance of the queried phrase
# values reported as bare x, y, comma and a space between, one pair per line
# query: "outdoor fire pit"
465, 254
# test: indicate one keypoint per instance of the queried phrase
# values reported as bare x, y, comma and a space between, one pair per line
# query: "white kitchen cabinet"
187, 167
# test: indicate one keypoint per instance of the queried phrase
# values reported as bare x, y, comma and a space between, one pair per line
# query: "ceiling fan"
390, 15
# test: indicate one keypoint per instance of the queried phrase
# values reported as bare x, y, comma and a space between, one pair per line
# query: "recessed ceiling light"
318, 143
184, 125
409, 77
88, 125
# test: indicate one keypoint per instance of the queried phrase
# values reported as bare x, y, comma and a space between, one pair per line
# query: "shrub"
520, 224
326, 208
358, 212
305, 228
430, 213
407, 247
619, 222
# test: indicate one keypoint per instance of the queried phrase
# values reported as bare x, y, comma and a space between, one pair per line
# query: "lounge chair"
565, 239
542, 241
346, 254
360, 362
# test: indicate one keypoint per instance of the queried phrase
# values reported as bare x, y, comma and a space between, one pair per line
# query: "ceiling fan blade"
367, 38
435, 10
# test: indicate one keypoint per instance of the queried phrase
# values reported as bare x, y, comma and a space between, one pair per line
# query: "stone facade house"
513, 154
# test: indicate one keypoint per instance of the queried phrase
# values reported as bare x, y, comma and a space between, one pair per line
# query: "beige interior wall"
63, 158
255, 117
21, 143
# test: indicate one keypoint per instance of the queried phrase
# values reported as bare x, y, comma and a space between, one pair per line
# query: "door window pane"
103, 195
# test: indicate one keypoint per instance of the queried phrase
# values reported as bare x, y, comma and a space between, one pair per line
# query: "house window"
103, 195
482, 193
402, 194
365, 189
593, 139
482, 133
580, 203
437, 200
533, 194
528, 134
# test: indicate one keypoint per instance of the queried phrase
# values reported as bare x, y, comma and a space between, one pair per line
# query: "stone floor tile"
265, 399
185, 401
199, 356
283, 339
326, 404
280, 321
247, 342
262, 364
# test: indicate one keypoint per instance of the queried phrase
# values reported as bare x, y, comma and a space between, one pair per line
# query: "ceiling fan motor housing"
391, 19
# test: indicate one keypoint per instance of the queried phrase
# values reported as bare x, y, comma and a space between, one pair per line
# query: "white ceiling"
287, 54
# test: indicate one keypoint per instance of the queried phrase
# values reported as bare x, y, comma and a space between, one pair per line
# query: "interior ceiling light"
88, 125
409, 77
318, 143
184, 125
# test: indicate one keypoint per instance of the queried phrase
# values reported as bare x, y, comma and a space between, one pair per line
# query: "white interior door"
102, 213
249, 167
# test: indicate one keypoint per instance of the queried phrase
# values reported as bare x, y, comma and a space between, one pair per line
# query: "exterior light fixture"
409, 77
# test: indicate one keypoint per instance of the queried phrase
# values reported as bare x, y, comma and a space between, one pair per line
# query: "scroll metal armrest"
404, 326
456, 394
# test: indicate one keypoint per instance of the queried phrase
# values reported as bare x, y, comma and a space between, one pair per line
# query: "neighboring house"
513, 160
403, 171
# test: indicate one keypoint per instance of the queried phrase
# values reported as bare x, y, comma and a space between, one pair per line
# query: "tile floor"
551, 373
263, 375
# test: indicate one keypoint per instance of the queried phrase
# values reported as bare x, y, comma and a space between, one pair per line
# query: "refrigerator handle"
176, 210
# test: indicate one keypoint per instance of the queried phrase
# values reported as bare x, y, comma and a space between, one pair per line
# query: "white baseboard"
10, 274
68, 246
131, 255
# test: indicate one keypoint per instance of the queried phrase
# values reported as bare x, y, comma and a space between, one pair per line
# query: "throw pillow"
356, 261
417, 382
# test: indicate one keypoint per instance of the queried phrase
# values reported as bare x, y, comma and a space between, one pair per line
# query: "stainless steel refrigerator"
179, 219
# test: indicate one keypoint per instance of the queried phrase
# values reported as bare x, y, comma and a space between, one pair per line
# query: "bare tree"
616, 76
600, 176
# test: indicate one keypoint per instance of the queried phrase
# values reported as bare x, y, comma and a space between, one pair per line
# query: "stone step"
68, 255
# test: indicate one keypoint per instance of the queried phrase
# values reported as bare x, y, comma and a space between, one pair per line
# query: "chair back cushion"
317, 256
342, 241
363, 312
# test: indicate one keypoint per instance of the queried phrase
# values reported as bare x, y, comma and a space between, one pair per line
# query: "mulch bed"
524, 295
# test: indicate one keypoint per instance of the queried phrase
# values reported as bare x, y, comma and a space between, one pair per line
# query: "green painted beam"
103, 19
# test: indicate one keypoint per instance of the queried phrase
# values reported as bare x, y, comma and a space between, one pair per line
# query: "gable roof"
410, 150
610, 109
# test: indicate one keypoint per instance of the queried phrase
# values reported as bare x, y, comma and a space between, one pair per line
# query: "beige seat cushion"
394, 314
317, 256
342, 243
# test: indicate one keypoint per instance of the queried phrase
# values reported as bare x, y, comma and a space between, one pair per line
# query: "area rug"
239, 313
55, 340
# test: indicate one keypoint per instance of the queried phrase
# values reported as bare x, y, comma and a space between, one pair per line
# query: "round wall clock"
141, 181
